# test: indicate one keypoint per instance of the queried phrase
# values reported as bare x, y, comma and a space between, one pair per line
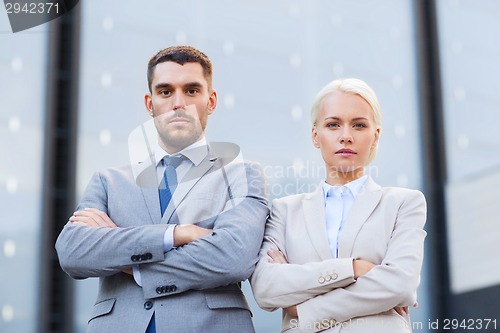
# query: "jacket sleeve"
98, 251
283, 285
387, 285
228, 255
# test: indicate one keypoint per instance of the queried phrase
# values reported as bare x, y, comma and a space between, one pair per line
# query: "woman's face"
345, 132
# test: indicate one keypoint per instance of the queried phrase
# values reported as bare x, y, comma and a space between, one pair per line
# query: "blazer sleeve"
283, 285
387, 285
98, 251
228, 255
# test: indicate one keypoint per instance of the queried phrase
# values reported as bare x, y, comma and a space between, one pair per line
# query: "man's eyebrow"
162, 85
193, 84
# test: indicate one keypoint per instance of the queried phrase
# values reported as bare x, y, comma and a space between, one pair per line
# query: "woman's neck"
338, 178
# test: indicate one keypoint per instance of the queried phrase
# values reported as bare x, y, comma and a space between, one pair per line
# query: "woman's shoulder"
402, 193
294, 198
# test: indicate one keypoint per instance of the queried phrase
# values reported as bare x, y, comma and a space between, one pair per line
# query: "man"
172, 236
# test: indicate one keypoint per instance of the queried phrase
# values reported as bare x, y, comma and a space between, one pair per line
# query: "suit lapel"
366, 201
314, 211
148, 183
192, 177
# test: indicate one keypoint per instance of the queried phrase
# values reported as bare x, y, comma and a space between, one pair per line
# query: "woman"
347, 257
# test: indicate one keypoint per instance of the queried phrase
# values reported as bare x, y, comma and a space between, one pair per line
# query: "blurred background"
72, 91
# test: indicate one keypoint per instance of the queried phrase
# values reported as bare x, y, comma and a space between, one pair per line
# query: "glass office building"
270, 58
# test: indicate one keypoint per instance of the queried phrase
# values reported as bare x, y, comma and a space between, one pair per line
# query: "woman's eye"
359, 125
332, 125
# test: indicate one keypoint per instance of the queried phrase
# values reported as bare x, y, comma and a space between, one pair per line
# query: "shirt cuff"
168, 238
137, 275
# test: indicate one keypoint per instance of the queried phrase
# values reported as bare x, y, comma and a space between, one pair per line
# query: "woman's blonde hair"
350, 86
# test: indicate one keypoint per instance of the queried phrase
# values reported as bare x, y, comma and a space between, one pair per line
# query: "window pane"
22, 95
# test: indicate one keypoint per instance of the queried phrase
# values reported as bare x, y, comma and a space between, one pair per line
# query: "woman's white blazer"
384, 226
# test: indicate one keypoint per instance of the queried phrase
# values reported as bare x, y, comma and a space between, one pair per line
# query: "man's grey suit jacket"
193, 288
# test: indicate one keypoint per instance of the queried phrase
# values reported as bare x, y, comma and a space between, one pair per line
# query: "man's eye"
164, 92
192, 91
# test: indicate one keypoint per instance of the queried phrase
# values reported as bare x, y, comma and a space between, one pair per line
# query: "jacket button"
133, 258
149, 256
321, 280
159, 290
148, 305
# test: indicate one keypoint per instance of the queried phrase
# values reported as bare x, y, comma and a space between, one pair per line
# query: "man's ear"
212, 102
148, 102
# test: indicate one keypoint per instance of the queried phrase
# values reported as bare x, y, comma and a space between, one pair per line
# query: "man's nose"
179, 101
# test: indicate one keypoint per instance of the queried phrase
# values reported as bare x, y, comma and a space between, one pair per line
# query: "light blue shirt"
193, 157
338, 204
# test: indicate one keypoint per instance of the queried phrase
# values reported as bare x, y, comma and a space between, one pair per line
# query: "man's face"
180, 102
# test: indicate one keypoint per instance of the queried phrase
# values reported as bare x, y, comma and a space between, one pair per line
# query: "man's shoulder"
224, 152
123, 171
229, 155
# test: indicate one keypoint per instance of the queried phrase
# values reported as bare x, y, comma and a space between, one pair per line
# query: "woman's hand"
276, 257
361, 267
292, 311
402, 310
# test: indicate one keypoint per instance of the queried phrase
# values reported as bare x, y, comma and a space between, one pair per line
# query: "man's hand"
92, 217
186, 233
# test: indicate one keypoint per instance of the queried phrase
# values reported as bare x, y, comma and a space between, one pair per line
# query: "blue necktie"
152, 325
169, 181
165, 190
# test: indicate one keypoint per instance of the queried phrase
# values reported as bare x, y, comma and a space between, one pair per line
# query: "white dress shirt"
338, 204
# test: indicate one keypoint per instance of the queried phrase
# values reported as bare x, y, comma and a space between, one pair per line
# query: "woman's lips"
345, 152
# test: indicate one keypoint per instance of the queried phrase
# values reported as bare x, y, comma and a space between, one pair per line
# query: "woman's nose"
345, 136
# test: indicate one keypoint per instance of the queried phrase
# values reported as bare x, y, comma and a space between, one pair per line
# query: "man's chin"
179, 143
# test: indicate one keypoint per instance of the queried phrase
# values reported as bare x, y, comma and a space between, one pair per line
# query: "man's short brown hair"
180, 55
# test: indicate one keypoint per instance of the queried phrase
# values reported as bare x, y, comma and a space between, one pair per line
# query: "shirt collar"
353, 186
195, 152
